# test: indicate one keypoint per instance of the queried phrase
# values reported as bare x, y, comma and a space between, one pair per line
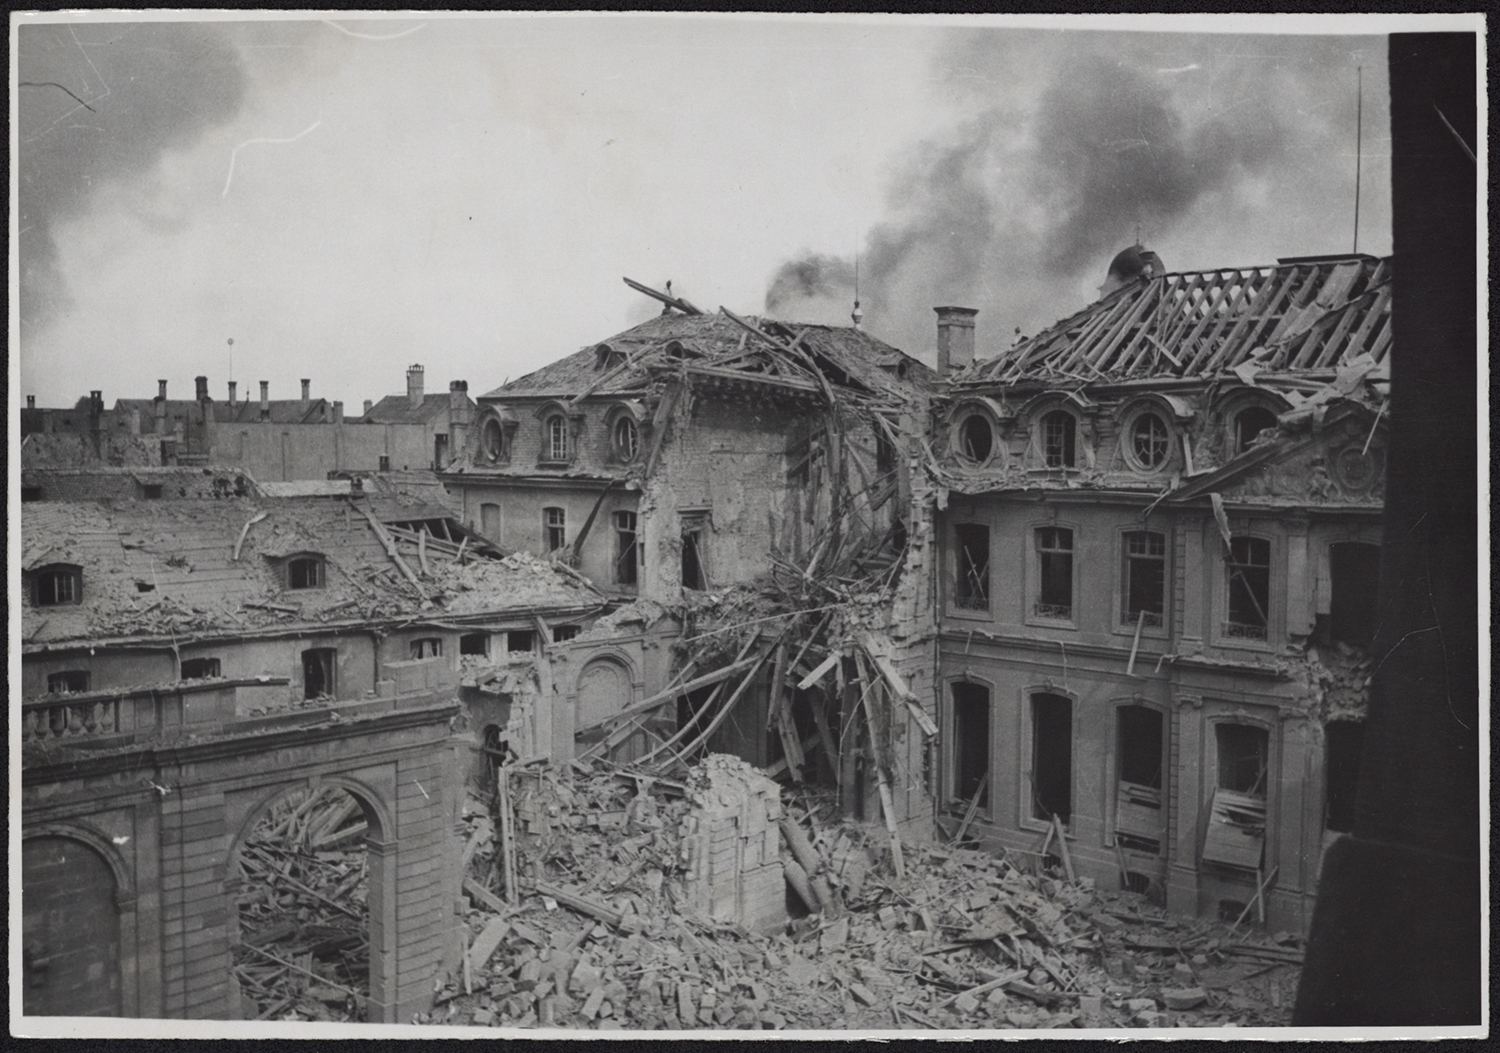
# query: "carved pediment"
1340, 466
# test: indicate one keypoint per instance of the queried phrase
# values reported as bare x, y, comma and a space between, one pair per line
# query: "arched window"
625, 438
493, 440
1059, 439
1150, 442
555, 437
1249, 423
976, 438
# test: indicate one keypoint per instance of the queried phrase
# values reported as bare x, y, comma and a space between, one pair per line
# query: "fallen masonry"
619, 919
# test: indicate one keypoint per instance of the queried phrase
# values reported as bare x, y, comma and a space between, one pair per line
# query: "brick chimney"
265, 400
31, 402
161, 407
201, 389
369, 405
955, 338
306, 394
231, 393
459, 417
338, 412
414, 385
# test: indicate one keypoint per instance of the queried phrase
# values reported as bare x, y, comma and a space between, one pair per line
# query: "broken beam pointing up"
671, 301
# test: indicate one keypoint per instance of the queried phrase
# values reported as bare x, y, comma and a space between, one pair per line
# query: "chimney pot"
414, 384
265, 399
161, 390
955, 338
201, 388
31, 402
306, 393
369, 405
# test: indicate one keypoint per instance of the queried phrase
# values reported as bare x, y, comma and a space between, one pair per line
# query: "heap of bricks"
731, 845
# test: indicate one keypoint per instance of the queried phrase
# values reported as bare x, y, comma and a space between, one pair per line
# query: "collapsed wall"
731, 845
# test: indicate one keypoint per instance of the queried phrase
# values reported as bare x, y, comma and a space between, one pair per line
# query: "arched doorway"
605, 688
70, 930
303, 907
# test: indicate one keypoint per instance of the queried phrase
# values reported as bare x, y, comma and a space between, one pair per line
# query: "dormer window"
625, 438
305, 572
1249, 423
58, 584
606, 357
1148, 442
555, 437
1059, 440
492, 440
976, 438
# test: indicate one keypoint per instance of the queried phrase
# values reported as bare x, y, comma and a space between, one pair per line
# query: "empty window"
1054, 547
694, 572
319, 672
520, 640
627, 551
1139, 818
1051, 757
1244, 753
68, 683
625, 438
58, 584
305, 572
489, 520
1144, 588
554, 528
971, 589
1342, 743
199, 668
1150, 442
976, 438
971, 743
492, 440
1249, 423
561, 633
1353, 607
1249, 583
885, 452
1237, 818
31, 493
385, 463
474, 643
1059, 446
151, 491
427, 647
439, 452
555, 438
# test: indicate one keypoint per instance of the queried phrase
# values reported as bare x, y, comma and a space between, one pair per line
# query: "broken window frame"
200, 668
1054, 547
564, 633
1244, 419
554, 528
971, 567
1141, 550
1057, 439
1140, 817
306, 571
424, 647
694, 571
1237, 820
963, 777
327, 664
975, 439
1035, 810
628, 554
625, 438
466, 644
515, 637
57, 585
1150, 451
1248, 579
69, 682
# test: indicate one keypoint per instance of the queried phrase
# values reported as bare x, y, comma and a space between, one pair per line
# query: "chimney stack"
265, 399
231, 393
161, 390
414, 385
955, 338
161, 408
459, 414
201, 384
31, 402
306, 393
369, 405
338, 412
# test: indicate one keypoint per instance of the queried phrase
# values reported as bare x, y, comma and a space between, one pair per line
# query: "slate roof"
282, 411
167, 569
1306, 315
397, 409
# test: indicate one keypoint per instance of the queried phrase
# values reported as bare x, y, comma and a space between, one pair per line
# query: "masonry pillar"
731, 845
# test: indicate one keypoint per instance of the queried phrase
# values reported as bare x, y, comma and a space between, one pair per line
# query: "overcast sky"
344, 198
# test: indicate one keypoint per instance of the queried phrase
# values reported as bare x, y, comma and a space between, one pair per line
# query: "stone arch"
604, 677
77, 935
100, 843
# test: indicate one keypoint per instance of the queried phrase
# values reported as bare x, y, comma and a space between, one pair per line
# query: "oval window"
627, 438
976, 438
1150, 441
494, 440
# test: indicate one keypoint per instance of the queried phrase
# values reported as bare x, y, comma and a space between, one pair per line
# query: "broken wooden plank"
485, 943
481, 895
819, 671
389, 544
582, 904
973, 808
984, 988
245, 532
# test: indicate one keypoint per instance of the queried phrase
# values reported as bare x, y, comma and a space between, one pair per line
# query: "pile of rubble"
598, 930
303, 952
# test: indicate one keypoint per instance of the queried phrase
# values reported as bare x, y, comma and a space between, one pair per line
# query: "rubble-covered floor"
966, 940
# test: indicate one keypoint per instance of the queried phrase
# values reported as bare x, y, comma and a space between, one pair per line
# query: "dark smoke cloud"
1066, 147
140, 88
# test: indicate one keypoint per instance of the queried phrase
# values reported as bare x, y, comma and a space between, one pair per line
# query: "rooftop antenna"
857, 315
1359, 116
231, 358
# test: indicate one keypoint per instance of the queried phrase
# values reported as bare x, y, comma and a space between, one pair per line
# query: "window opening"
520, 640
305, 573
561, 633
427, 647
627, 551
1145, 590
885, 452
1249, 573
151, 491
976, 438
1249, 423
557, 438
1051, 757
1150, 441
31, 493
1139, 820
56, 586
694, 572
70, 682
554, 528
627, 438
1059, 445
439, 452
200, 668
474, 643
1055, 556
385, 463
971, 743
319, 673
494, 440
971, 590
1237, 817
1353, 607
1343, 741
